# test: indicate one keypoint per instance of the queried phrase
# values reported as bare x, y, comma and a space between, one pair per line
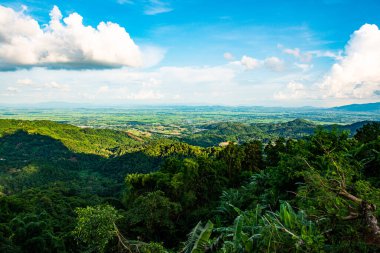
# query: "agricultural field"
199, 125
181, 121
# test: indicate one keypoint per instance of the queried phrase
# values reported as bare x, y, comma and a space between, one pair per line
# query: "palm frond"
198, 238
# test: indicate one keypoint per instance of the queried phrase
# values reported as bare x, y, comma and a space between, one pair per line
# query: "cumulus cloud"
357, 74
271, 63
249, 62
64, 43
152, 55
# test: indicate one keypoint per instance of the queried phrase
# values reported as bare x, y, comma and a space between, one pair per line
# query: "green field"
181, 120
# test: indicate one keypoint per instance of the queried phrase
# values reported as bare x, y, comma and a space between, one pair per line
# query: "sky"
190, 52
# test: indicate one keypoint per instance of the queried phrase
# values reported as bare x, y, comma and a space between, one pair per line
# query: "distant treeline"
213, 134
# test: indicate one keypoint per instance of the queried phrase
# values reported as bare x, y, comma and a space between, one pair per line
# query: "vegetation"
200, 125
283, 187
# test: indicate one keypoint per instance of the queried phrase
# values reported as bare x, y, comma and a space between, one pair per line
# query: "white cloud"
151, 83
307, 56
228, 56
357, 74
103, 89
354, 77
152, 55
294, 90
25, 82
155, 7
56, 85
274, 63
303, 66
271, 63
123, 93
146, 95
64, 43
224, 84
125, 85
249, 62
151, 7
327, 53
13, 89
296, 52
197, 75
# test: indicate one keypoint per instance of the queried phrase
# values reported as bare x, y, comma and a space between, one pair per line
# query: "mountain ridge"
359, 107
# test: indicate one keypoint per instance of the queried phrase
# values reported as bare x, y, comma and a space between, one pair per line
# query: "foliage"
96, 226
198, 238
313, 193
151, 213
368, 132
258, 230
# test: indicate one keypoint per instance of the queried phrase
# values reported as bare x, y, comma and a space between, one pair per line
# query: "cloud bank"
357, 74
63, 43
169, 84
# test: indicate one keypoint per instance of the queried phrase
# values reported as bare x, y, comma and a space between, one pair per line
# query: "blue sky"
289, 53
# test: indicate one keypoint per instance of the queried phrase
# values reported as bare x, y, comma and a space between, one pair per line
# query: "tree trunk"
367, 211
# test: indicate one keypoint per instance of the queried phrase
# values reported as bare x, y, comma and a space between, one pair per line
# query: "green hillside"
68, 189
102, 142
370, 107
213, 134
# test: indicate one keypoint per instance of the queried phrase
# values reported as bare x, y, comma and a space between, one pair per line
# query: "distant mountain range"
359, 107
369, 107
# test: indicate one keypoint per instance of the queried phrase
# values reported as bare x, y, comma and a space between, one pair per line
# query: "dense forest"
237, 132
301, 189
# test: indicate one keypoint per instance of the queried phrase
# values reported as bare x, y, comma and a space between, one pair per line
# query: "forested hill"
68, 189
102, 142
107, 142
214, 134
359, 107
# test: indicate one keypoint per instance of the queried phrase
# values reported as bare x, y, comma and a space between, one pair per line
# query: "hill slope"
370, 107
213, 134
102, 142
